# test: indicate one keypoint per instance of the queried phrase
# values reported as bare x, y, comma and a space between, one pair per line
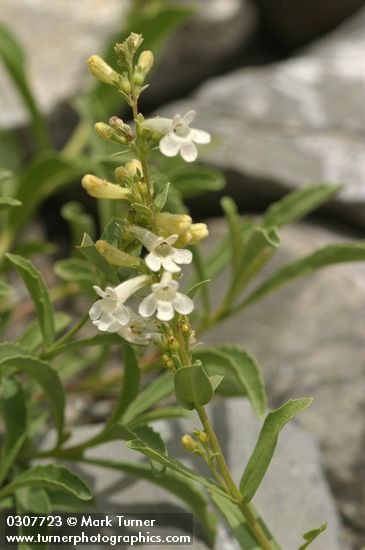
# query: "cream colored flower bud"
102, 71
173, 223
117, 257
121, 127
106, 132
145, 61
189, 443
198, 232
103, 130
134, 40
129, 170
202, 436
103, 189
184, 240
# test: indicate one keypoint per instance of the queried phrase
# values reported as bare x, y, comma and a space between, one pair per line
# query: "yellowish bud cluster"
115, 256
181, 225
189, 443
127, 171
103, 189
145, 61
145, 64
104, 131
102, 71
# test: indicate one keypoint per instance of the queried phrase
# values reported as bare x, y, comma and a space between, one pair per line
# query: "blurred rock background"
280, 85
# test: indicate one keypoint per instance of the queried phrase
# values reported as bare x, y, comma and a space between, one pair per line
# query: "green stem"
233, 490
53, 349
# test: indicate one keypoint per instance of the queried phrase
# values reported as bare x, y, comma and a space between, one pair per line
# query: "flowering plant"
133, 277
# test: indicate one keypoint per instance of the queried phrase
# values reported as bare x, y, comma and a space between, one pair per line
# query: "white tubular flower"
110, 313
178, 136
161, 251
139, 330
166, 299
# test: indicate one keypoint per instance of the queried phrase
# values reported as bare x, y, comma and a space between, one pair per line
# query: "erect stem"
232, 488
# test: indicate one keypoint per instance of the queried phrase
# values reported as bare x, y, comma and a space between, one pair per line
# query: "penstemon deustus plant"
163, 317
147, 239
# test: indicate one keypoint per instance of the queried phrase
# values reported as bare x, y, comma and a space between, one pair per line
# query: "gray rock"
189, 56
293, 25
292, 123
59, 36
293, 498
309, 339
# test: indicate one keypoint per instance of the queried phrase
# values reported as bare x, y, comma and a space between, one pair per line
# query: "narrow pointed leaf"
329, 255
266, 445
161, 197
159, 389
298, 204
12, 402
234, 224
37, 289
79, 220
258, 250
153, 439
310, 536
50, 476
47, 378
131, 380
8, 202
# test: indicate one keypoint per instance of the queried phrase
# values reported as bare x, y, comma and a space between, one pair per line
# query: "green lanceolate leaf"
242, 374
173, 482
131, 382
50, 476
266, 445
14, 60
161, 197
239, 525
310, 536
153, 440
14, 414
329, 255
258, 250
298, 204
234, 223
37, 289
8, 202
47, 378
176, 466
159, 389
79, 220
76, 270
192, 386
89, 251
10, 350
